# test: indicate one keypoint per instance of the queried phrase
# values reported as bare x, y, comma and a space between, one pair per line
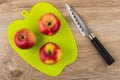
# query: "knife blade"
84, 30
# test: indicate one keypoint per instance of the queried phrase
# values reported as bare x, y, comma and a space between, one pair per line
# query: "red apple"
25, 38
50, 53
49, 24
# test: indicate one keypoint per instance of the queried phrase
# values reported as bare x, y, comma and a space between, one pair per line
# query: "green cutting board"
63, 38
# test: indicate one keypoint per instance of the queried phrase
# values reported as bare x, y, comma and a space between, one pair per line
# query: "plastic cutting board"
63, 38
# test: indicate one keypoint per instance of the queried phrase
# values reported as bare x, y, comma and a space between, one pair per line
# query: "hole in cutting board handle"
25, 13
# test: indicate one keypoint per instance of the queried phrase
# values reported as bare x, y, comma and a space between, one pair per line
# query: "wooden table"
101, 16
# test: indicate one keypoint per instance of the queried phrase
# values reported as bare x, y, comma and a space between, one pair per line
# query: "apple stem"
21, 36
49, 52
49, 24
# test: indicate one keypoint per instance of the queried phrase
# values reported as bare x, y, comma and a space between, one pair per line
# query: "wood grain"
101, 16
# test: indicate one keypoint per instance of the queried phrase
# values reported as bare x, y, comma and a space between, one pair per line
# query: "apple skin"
25, 39
49, 24
50, 53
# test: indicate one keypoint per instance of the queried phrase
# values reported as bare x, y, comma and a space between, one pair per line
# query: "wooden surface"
101, 16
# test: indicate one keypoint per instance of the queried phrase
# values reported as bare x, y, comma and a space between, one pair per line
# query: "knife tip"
67, 5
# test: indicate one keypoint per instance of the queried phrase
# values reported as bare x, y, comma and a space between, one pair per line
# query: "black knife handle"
108, 58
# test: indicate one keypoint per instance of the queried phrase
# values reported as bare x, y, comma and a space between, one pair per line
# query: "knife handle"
105, 54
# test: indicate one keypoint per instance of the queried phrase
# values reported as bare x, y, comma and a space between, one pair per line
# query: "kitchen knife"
83, 29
